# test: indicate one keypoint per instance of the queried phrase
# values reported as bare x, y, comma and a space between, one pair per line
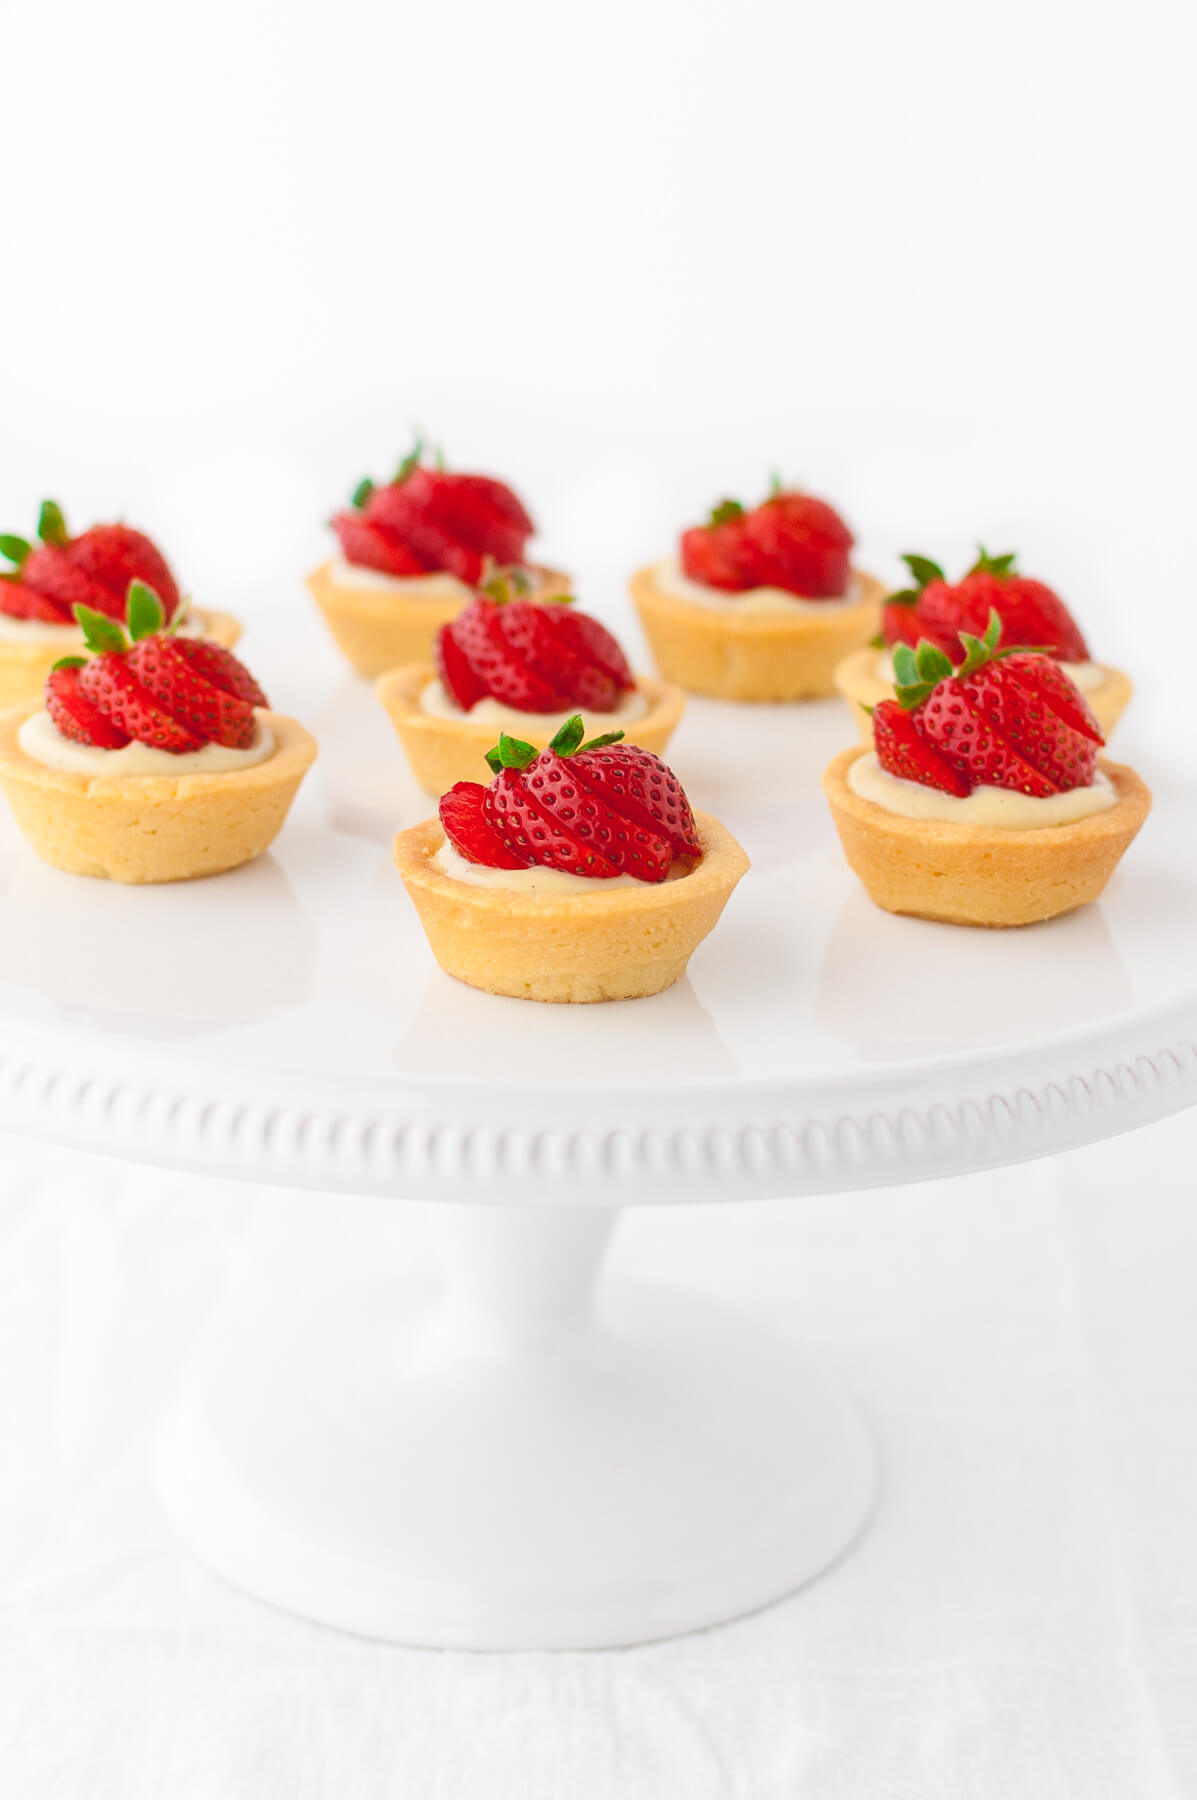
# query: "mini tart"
754, 656
24, 667
141, 828
617, 945
857, 680
377, 629
981, 874
442, 751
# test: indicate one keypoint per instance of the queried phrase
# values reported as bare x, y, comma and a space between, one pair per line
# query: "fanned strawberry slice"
114, 555
51, 570
904, 752
20, 602
576, 839
640, 786
76, 716
535, 656
221, 668
370, 547
109, 683
467, 829
940, 611
400, 511
213, 715
791, 541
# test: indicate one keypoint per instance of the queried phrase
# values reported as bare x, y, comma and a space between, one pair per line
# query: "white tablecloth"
1019, 1623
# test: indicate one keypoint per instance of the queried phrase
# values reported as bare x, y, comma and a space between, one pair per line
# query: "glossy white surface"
306, 1035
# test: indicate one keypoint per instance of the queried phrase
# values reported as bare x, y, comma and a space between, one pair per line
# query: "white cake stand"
531, 1457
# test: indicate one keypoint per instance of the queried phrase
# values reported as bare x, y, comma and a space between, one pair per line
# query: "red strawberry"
20, 602
1011, 720
467, 830
78, 717
109, 683
720, 553
535, 657
175, 694
197, 705
903, 751
805, 546
50, 570
402, 511
791, 541
221, 668
599, 809
641, 787
115, 555
940, 610
367, 545
442, 519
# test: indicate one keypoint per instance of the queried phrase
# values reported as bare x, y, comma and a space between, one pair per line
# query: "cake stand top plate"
287, 1023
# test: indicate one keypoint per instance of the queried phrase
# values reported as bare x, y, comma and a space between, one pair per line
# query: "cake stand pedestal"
534, 1457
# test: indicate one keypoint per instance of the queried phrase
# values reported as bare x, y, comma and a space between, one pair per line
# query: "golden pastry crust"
377, 630
617, 945
856, 678
753, 656
980, 874
24, 667
442, 751
149, 828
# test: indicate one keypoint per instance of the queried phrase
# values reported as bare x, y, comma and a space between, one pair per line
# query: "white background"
933, 260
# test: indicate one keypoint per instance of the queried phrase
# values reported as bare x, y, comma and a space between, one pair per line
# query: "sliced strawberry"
370, 547
478, 633
559, 787
76, 716
639, 785
114, 555
804, 544
17, 601
902, 624
1030, 613
467, 829
479, 513
1060, 693
722, 556
50, 570
592, 643
904, 752
109, 683
996, 719
457, 672
221, 668
401, 511
213, 715
522, 807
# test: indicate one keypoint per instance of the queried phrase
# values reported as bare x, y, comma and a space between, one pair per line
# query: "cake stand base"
520, 1461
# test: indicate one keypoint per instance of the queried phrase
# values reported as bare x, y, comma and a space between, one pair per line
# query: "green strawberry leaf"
144, 611
725, 512
600, 743
569, 737
903, 597
512, 753
410, 462
503, 585
100, 633
932, 664
775, 484
68, 662
51, 526
994, 565
923, 570
16, 549
877, 641
910, 685
361, 492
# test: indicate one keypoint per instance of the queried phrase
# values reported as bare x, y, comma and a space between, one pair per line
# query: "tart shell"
24, 667
442, 751
618, 945
753, 656
978, 874
377, 630
857, 680
148, 828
